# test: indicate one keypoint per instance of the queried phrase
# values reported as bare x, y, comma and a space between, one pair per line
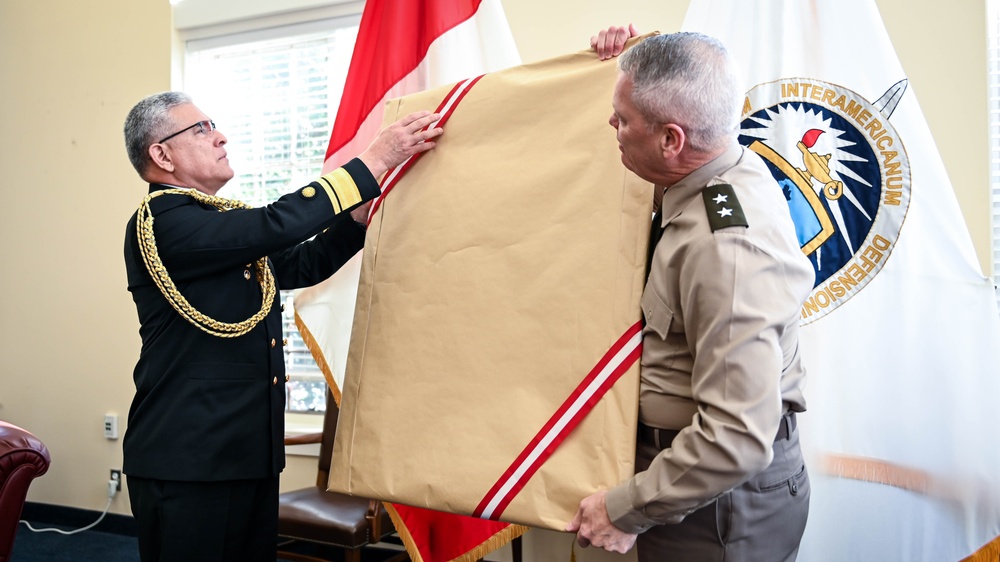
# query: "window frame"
240, 30
993, 96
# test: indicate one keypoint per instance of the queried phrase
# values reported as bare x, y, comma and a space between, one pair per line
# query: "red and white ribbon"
622, 355
444, 110
618, 359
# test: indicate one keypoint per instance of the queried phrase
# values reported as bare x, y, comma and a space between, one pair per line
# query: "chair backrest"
326, 445
22, 459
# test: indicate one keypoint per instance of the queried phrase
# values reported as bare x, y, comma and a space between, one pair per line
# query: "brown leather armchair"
22, 459
329, 519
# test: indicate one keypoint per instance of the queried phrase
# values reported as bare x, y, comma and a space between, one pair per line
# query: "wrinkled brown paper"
496, 274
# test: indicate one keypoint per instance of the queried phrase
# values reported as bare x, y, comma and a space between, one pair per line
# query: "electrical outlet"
110, 426
116, 476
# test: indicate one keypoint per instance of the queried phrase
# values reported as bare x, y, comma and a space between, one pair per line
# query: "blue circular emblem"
844, 172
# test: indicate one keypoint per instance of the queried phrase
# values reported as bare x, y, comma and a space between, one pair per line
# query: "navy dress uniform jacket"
208, 408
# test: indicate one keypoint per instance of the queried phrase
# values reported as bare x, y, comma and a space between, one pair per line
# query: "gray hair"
688, 79
148, 121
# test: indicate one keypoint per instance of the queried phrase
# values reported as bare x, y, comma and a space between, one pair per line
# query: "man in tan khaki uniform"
719, 470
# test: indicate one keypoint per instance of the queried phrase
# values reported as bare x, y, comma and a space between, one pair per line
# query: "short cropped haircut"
688, 79
147, 121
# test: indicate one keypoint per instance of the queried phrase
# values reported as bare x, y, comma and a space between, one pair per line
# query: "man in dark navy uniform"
204, 443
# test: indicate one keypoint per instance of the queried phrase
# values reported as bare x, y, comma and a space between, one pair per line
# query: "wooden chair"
327, 521
334, 521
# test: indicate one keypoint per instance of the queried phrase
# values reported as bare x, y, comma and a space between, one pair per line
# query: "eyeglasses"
203, 127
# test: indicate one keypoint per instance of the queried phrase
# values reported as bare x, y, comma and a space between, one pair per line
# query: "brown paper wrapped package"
496, 274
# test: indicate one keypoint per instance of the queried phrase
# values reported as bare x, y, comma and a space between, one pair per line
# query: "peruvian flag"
404, 47
408, 47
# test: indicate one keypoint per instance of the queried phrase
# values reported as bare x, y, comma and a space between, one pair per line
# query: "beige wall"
71, 70
942, 47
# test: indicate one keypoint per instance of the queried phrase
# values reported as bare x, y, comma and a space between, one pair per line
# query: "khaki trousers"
759, 521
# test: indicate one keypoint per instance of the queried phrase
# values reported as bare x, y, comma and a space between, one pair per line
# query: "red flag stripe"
389, 46
445, 110
622, 355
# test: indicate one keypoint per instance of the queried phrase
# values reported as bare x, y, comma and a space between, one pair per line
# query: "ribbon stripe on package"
493, 367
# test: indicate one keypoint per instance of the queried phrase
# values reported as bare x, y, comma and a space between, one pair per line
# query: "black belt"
661, 438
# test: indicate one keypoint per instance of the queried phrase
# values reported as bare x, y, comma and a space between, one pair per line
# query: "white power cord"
112, 490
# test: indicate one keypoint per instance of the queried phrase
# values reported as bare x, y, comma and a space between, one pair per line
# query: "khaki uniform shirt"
720, 357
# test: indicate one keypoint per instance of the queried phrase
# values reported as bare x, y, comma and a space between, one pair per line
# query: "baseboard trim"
64, 516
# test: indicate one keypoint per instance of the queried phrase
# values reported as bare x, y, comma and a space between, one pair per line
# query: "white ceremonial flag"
901, 337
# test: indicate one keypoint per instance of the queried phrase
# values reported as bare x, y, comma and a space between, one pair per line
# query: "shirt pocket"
221, 392
658, 316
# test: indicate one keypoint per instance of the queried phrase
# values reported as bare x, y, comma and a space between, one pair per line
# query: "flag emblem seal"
843, 170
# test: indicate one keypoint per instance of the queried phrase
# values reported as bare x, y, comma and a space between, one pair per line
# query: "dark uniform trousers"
205, 521
759, 521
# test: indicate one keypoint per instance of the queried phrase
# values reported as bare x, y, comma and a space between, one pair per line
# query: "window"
993, 34
274, 93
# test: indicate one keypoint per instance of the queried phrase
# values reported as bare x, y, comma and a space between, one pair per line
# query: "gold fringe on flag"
403, 532
989, 553
877, 472
317, 354
498, 540
913, 480
501, 538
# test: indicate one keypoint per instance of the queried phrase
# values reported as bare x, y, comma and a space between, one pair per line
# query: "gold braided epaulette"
151, 257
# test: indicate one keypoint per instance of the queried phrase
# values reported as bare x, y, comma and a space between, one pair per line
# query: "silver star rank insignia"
723, 207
